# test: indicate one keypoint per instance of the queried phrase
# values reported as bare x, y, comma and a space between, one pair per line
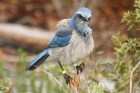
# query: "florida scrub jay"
73, 40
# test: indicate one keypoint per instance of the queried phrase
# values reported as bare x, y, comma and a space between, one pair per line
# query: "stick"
86, 83
131, 77
53, 78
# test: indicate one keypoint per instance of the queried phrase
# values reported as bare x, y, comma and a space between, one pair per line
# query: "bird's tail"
38, 60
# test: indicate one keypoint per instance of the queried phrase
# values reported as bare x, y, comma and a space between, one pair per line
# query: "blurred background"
26, 26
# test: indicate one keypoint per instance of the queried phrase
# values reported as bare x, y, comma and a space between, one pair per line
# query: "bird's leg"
79, 67
66, 77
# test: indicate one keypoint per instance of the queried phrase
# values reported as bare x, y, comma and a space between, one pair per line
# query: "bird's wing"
61, 38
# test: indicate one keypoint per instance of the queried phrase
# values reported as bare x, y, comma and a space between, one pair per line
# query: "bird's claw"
80, 68
67, 78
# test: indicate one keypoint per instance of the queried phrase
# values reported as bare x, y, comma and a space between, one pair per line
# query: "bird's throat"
81, 28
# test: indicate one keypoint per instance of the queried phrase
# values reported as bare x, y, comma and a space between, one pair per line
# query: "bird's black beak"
84, 19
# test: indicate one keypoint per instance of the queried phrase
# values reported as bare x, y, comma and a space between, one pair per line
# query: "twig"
0, 51
131, 77
86, 83
53, 78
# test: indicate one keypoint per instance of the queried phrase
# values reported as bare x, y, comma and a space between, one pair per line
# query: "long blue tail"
38, 60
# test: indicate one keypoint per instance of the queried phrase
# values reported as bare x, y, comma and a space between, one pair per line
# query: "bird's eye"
80, 16
89, 18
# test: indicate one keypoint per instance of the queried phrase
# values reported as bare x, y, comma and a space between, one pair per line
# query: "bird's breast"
80, 47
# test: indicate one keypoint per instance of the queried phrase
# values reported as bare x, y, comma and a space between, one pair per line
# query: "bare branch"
53, 78
131, 77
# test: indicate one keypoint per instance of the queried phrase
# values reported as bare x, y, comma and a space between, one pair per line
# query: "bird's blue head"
80, 21
82, 14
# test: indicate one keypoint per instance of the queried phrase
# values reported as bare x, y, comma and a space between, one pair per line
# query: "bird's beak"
85, 19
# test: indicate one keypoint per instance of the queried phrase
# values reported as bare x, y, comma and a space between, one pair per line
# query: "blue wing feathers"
38, 60
61, 38
65, 31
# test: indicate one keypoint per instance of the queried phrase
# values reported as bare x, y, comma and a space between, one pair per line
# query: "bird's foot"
80, 68
67, 78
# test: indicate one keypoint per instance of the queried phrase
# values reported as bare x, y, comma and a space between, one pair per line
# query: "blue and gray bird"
73, 40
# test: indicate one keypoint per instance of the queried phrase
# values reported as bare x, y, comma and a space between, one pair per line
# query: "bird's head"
82, 15
80, 21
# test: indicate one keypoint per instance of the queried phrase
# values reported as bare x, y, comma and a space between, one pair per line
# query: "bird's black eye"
89, 18
80, 16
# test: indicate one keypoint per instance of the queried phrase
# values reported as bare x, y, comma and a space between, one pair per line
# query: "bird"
73, 40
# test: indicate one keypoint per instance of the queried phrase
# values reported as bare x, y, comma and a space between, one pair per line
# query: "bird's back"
62, 23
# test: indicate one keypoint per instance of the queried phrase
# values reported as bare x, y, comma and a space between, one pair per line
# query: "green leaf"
130, 27
9, 82
100, 52
2, 87
118, 50
1, 83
